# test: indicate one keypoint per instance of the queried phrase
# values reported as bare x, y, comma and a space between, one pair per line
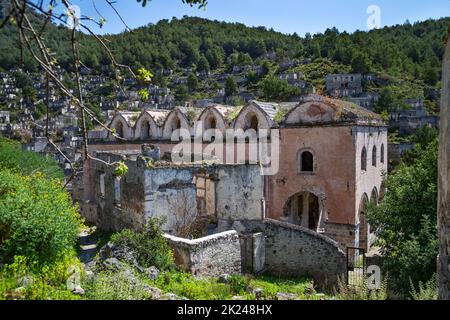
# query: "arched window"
119, 129
254, 122
382, 154
374, 156
306, 159
364, 159
212, 123
178, 123
145, 130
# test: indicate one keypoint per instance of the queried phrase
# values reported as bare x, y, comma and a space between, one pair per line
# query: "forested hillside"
413, 49
407, 56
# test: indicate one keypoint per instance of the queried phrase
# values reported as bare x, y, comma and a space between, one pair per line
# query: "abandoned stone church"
332, 157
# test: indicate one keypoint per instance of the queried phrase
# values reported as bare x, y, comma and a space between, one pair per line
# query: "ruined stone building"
332, 155
344, 85
180, 194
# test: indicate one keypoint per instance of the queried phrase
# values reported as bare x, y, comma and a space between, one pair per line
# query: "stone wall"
296, 251
444, 182
240, 192
211, 256
289, 250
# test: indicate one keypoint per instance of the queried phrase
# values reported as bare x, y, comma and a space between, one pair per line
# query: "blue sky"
287, 16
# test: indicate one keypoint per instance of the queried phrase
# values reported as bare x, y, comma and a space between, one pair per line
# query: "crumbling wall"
128, 213
211, 256
296, 251
171, 194
444, 182
240, 190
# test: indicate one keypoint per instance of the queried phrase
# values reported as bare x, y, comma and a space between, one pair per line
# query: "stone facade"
444, 182
344, 85
180, 194
211, 256
321, 184
296, 251
288, 250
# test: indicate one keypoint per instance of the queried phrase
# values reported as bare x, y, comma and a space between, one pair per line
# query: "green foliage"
234, 113
271, 286
277, 89
37, 218
23, 279
406, 220
186, 285
13, 158
192, 82
115, 286
144, 75
143, 94
425, 291
360, 291
231, 88
121, 169
279, 116
316, 72
150, 245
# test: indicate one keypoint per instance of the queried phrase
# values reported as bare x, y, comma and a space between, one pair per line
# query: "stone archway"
303, 209
363, 225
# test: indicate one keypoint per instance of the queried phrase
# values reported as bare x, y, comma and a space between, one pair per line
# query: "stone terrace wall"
211, 256
297, 251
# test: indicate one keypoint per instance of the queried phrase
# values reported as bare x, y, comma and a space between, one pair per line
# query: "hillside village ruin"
298, 221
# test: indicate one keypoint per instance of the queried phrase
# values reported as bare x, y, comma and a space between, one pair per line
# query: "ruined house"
332, 156
180, 194
344, 85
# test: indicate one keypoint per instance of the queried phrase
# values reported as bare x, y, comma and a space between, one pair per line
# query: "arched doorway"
303, 209
252, 122
363, 226
374, 196
145, 130
119, 130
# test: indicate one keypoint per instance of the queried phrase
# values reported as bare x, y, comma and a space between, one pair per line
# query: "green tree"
231, 87
181, 94
203, 65
277, 89
387, 101
361, 63
406, 220
192, 82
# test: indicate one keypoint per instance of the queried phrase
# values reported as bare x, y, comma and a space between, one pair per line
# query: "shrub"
37, 218
185, 285
150, 245
24, 279
115, 286
425, 291
360, 291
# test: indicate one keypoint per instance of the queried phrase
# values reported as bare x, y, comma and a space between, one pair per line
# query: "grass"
240, 286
